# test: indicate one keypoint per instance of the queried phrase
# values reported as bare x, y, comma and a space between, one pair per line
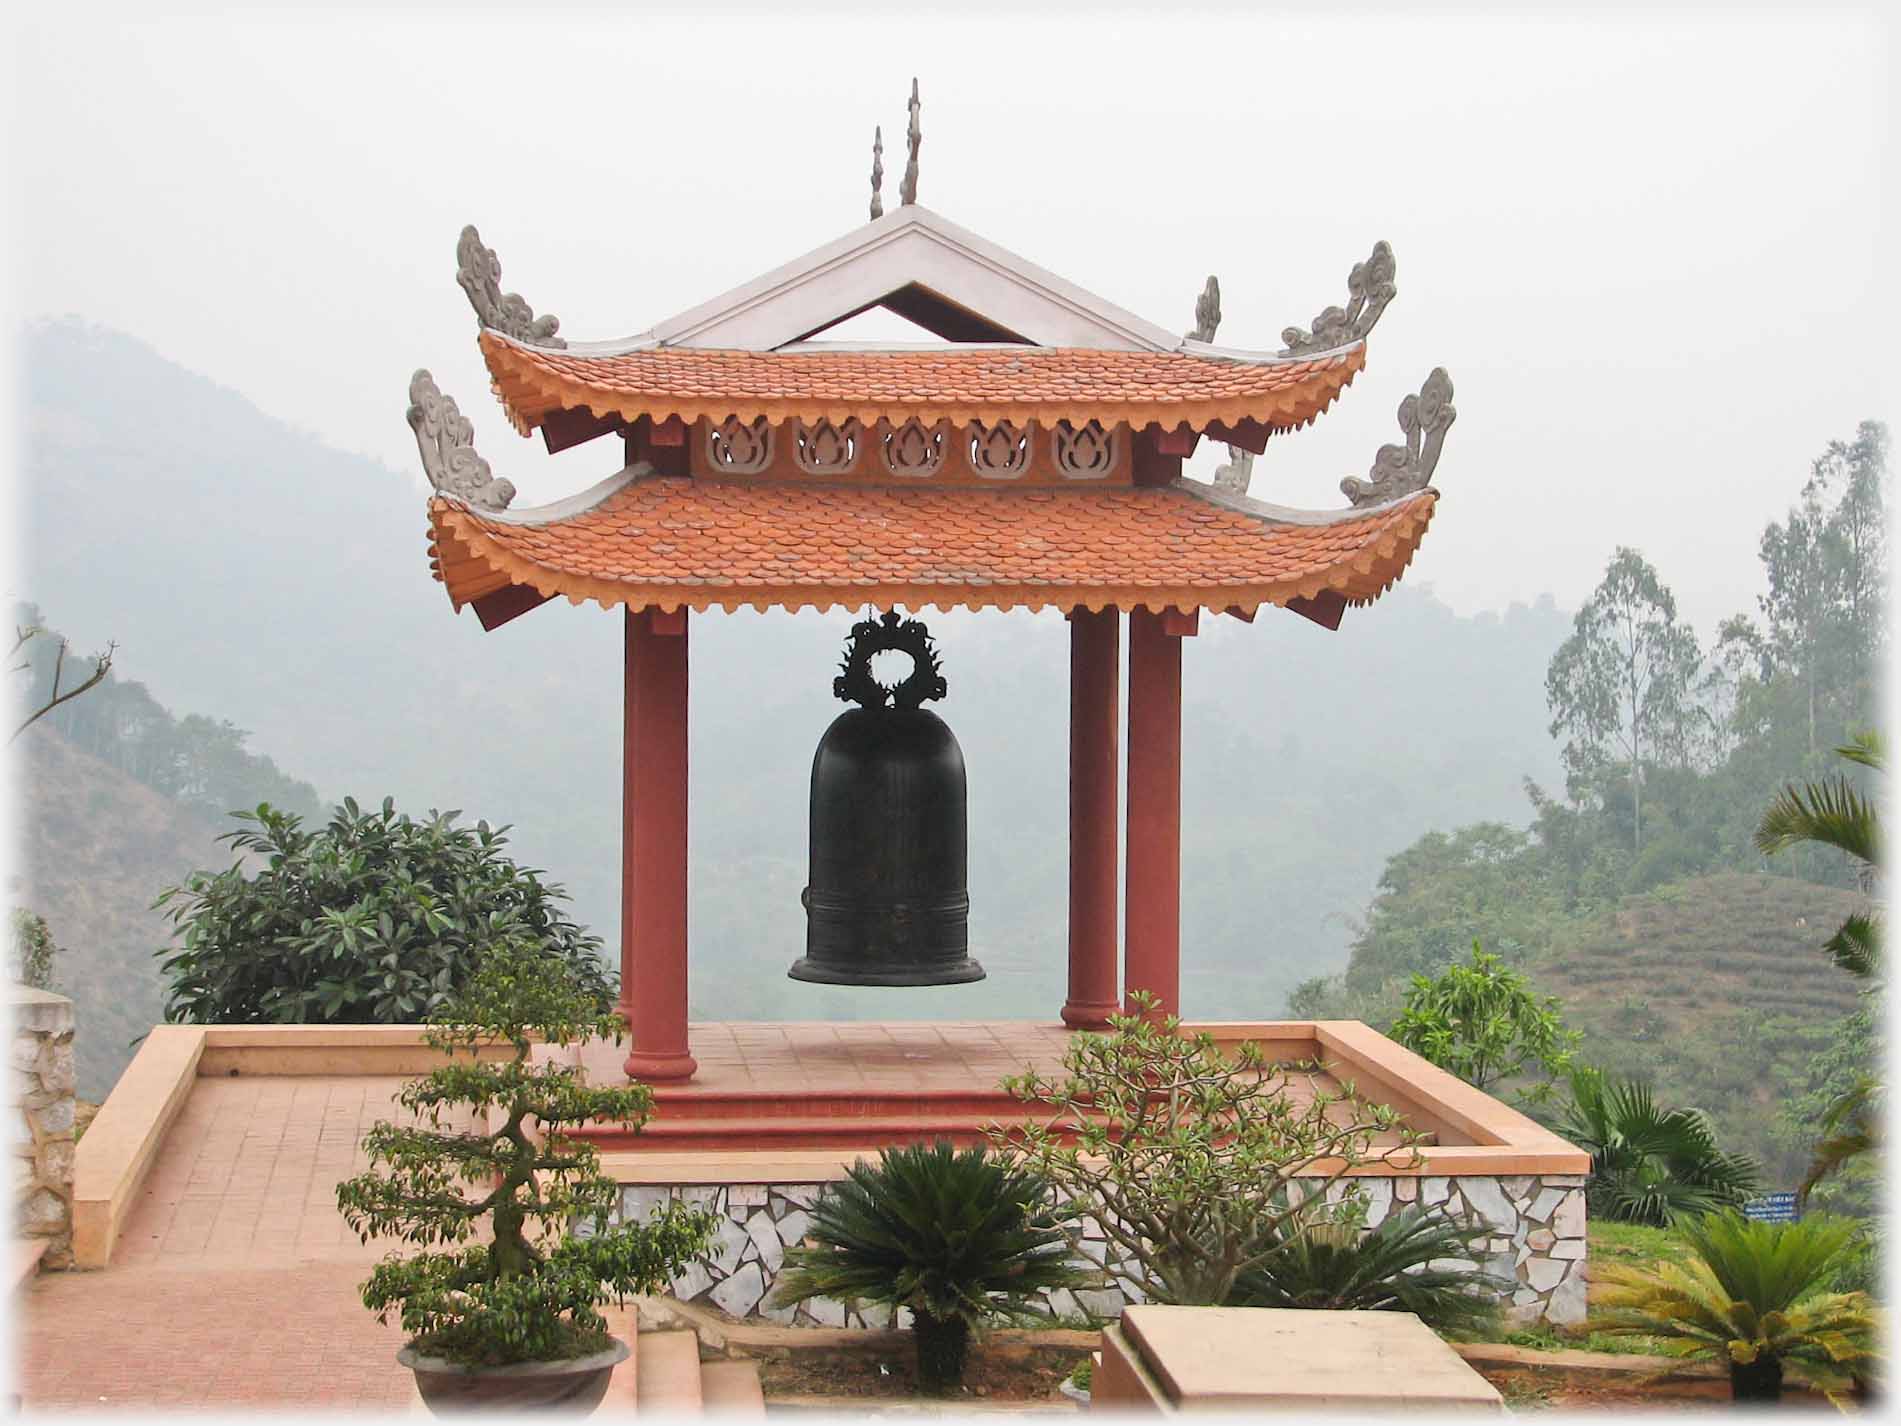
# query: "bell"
888, 902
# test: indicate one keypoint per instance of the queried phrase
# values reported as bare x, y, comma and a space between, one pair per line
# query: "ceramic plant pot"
574, 1387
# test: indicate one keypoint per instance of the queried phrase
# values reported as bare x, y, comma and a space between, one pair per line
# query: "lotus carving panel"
999, 452
1083, 452
738, 448
914, 449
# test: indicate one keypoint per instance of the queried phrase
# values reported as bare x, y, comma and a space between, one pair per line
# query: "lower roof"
670, 542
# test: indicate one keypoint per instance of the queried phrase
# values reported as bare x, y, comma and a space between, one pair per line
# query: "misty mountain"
251, 572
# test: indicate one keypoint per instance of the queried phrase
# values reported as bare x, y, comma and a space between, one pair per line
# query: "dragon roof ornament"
446, 440
1237, 473
1207, 312
479, 273
1401, 470
1369, 287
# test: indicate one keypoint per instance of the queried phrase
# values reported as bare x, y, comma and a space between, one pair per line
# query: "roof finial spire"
907, 190
877, 172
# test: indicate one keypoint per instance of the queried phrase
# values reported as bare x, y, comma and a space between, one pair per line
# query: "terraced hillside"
1716, 991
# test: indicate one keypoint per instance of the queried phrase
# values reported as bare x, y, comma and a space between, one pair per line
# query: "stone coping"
1486, 1137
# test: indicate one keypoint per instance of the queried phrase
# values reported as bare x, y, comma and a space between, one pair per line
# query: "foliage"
1623, 685
1835, 813
1748, 1294
530, 1293
1649, 1164
1184, 1155
199, 762
1400, 1264
1482, 1022
957, 1236
31, 955
375, 919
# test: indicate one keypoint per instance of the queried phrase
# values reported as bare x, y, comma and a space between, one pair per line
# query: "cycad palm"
1649, 1163
1747, 1296
955, 1236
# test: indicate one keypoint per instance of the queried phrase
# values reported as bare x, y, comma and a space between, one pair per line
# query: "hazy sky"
1645, 247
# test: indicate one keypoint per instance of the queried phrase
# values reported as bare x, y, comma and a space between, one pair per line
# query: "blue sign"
1772, 1208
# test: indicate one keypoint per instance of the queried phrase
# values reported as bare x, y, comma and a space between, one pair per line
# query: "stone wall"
42, 1095
1537, 1243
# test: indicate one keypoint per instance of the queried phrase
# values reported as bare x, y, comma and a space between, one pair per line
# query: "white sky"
1646, 248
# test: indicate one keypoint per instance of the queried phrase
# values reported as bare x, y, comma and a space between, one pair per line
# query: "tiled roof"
673, 541
1046, 384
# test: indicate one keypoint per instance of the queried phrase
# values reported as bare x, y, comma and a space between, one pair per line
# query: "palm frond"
1856, 946
1831, 812
1868, 749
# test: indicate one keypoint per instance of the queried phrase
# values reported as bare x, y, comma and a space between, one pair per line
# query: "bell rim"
962, 972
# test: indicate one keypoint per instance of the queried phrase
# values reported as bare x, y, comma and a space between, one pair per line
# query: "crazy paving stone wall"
43, 1104
1537, 1242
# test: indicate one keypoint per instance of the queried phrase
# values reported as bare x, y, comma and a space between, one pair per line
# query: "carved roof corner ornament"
1237, 473
1401, 470
1207, 312
447, 443
877, 172
479, 273
907, 189
1369, 288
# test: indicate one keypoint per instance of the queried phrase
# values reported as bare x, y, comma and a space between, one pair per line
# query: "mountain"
249, 570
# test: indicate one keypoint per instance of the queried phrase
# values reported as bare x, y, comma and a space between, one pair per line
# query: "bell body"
888, 901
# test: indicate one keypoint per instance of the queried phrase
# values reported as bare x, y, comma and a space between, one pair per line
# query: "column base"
676, 1066
1090, 1015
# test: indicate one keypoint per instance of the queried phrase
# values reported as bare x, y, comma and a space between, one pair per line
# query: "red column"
653, 846
1094, 643
1154, 889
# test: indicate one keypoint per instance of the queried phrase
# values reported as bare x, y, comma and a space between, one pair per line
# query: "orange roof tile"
1046, 384
674, 541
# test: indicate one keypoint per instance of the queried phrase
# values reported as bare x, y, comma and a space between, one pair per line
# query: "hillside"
95, 848
1716, 991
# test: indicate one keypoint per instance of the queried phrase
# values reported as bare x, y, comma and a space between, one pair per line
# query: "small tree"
32, 954
955, 1236
530, 1293
375, 919
1194, 1164
1481, 1021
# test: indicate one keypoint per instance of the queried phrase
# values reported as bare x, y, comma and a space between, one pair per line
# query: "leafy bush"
1481, 1021
376, 919
530, 1293
1337, 1267
1751, 1295
1184, 1156
957, 1237
1649, 1164
32, 953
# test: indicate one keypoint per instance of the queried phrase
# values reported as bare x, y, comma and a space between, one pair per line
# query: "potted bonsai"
512, 1321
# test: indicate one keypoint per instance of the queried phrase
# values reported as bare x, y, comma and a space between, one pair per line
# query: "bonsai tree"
530, 1292
1749, 1294
1186, 1157
375, 919
1481, 1021
957, 1237
1649, 1163
1400, 1264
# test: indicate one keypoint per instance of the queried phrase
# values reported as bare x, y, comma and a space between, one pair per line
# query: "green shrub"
955, 1236
1335, 1266
1750, 1295
31, 955
1649, 1164
530, 1293
376, 919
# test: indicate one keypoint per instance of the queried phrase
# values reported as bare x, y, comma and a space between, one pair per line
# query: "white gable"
910, 247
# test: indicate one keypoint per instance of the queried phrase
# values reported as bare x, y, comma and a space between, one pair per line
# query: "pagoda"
1029, 457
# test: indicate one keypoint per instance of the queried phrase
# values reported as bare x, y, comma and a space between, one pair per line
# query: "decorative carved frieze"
913, 449
479, 272
826, 449
999, 452
1400, 470
735, 447
1207, 312
447, 443
1369, 288
907, 188
1082, 452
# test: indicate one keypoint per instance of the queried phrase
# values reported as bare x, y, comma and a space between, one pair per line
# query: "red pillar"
1154, 878
1094, 644
653, 846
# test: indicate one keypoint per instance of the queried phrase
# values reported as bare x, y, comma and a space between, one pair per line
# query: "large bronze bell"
889, 901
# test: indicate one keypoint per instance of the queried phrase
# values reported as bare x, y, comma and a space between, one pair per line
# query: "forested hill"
251, 571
